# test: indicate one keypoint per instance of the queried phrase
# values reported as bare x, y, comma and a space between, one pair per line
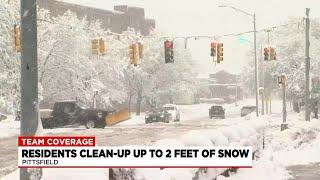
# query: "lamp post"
255, 52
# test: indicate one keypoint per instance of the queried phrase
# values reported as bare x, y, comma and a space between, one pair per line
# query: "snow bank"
245, 133
216, 137
300, 144
263, 169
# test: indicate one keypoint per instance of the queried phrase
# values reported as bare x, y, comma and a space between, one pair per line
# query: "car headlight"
162, 116
99, 114
147, 116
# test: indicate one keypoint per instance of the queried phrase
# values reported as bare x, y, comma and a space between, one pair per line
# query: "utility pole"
307, 64
255, 53
269, 94
262, 88
29, 74
284, 125
256, 65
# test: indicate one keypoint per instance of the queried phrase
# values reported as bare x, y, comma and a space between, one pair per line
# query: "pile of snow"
300, 144
245, 133
263, 169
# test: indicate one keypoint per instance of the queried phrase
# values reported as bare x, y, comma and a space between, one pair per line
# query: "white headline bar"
134, 156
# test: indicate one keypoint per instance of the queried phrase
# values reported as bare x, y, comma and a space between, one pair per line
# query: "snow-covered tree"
68, 70
9, 58
289, 42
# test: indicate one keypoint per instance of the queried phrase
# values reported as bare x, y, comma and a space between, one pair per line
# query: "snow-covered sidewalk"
298, 145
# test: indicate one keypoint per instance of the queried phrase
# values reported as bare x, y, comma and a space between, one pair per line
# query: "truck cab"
69, 113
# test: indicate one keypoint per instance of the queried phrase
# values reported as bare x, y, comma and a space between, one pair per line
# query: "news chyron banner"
82, 152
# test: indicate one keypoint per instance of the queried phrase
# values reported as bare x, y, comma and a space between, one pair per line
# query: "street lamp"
255, 52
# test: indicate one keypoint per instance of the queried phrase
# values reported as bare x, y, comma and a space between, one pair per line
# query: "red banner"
56, 141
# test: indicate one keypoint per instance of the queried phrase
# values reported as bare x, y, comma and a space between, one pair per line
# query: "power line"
231, 34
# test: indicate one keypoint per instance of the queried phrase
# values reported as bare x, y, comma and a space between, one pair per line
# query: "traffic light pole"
262, 89
256, 65
29, 74
307, 64
255, 53
284, 124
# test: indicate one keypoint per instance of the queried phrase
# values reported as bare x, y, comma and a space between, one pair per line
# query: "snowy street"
130, 132
159, 90
196, 128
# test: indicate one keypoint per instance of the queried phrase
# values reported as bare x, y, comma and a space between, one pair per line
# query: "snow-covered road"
131, 132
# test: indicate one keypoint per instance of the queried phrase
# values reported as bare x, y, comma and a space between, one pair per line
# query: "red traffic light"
168, 44
213, 45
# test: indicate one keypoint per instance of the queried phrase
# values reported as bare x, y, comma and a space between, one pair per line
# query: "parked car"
245, 110
69, 112
173, 110
158, 115
217, 111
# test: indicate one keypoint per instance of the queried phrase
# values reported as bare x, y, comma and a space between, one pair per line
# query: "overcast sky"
204, 17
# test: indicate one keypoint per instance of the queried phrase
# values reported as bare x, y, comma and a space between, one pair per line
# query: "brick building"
117, 20
221, 84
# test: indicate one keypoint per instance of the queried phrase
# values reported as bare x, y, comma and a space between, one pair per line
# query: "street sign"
242, 40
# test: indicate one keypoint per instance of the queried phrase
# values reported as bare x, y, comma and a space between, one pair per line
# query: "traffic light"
219, 52
266, 54
213, 46
273, 54
168, 51
133, 54
102, 47
141, 50
282, 80
95, 47
17, 42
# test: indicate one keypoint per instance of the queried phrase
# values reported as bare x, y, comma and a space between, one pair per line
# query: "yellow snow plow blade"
117, 117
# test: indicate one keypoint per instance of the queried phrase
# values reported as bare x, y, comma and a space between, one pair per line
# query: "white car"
173, 110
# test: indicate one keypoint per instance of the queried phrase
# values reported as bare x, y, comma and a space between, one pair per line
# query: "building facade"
117, 20
222, 85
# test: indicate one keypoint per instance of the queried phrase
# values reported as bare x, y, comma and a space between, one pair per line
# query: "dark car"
245, 110
158, 115
217, 112
69, 113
